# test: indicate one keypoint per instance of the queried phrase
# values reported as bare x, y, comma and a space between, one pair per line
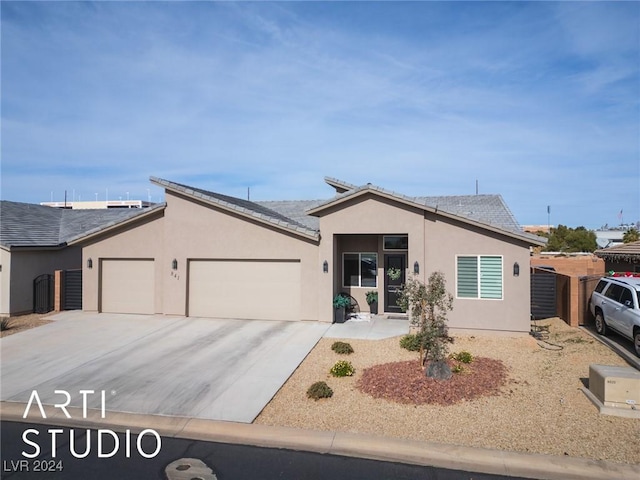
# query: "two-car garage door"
248, 289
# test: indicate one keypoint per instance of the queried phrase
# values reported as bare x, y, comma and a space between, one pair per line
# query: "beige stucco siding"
143, 240
195, 231
25, 265
372, 215
434, 242
445, 239
5, 285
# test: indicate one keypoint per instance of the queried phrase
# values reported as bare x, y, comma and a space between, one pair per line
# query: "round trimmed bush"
342, 368
319, 390
342, 348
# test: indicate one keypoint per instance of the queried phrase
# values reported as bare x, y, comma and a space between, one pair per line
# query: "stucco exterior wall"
25, 266
434, 242
142, 240
372, 215
444, 239
5, 284
198, 231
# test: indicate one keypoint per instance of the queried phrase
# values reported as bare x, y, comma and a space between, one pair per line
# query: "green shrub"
319, 390
4, 324
457, 368
342, 348
411, 342
342, 368
464, 357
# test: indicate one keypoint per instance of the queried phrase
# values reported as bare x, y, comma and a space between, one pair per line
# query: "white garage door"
127, 286
260, 290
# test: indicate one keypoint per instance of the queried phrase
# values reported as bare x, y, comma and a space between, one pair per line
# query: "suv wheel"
636, 341
601, 327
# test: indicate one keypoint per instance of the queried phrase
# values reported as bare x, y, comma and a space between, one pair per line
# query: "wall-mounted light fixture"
89, 263
174, 264
325, 267
516, 269
416, 268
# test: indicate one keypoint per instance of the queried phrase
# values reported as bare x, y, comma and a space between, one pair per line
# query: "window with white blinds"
479, 276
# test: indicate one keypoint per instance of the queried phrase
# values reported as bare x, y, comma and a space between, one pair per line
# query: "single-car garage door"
127, 286
247, 289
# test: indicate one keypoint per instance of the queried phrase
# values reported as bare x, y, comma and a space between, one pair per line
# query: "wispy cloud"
539, 101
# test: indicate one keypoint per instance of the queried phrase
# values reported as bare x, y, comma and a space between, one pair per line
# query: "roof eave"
407, 201
306, 233
91, 234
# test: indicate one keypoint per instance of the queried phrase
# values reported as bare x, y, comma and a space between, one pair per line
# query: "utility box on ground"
615, 390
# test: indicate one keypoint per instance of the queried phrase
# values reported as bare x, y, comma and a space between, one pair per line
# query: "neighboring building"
36, 240
572, 264
204, 254
537, 228
609, 238
99, 204
621, 258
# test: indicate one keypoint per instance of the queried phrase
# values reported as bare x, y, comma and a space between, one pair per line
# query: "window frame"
478, 282
360, 254
384, 247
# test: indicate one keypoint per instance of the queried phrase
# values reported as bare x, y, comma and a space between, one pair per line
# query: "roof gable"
488, 212
245, 208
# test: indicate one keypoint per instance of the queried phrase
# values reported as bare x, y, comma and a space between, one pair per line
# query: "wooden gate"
543, 293
43, 293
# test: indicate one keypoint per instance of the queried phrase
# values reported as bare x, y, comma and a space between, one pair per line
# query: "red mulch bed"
405, 382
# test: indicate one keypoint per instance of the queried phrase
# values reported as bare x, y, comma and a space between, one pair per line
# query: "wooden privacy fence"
565, 296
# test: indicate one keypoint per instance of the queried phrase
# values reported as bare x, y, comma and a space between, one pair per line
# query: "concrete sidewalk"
479, 460
372, 327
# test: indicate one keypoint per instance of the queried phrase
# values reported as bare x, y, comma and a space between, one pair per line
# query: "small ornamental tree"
428, 305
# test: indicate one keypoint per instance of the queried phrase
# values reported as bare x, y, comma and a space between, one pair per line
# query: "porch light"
174, 264
416, 268
89, 263
516, 269
325, 267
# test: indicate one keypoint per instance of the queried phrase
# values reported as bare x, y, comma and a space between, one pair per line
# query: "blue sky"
539, 102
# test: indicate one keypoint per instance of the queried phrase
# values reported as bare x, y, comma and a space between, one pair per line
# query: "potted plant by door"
372, 300
340, 304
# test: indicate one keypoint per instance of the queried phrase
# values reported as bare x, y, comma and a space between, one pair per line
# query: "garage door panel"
263, 290
128, 286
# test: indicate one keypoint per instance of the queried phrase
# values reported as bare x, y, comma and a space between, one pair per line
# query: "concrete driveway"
192, 367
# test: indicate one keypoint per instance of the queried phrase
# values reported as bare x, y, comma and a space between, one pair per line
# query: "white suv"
615, 303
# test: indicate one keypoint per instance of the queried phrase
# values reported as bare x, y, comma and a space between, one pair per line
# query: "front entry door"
396, 261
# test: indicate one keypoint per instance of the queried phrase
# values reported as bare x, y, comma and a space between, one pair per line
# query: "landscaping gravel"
540, 408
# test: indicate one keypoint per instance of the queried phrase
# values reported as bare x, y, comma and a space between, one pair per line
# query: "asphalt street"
228, 462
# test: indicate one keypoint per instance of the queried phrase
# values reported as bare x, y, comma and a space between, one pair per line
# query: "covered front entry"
395, 262
127, 286
246, 289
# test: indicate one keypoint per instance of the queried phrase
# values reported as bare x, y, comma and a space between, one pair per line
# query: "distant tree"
566, 239
631, 235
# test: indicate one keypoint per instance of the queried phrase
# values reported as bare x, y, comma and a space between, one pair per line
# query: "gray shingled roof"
296, 210
30, 225
244, 207
294, 215
489, 209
